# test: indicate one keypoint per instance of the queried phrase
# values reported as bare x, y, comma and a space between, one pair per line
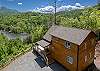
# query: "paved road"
29, 62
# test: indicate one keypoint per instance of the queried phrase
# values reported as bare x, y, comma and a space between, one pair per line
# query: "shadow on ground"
58, 67
54, 66
40, 61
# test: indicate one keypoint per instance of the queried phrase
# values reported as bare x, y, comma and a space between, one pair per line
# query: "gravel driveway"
29, 62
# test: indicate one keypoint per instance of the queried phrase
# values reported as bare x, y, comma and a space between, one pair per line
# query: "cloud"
60, 0
78, 5
20, 3
51, 9
47, 9
69, 7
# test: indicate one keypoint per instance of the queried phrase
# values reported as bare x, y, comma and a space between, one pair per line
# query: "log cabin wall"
86, 52
60, 53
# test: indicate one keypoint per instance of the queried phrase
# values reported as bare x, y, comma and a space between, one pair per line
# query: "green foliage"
36, 24
10, 49
38, 32
23, 22
88, 18
32, 23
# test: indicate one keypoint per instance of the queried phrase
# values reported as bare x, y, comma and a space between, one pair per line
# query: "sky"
45, 5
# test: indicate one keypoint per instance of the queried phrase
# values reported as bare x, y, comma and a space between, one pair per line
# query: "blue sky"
26, 5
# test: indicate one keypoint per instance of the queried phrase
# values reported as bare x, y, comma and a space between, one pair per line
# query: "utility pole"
55, 5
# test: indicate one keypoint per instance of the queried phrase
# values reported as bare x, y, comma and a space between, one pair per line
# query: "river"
10, 35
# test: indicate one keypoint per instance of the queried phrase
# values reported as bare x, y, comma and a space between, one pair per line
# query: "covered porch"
42, 48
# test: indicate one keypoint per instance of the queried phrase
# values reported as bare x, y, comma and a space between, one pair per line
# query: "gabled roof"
73, 35
43, 43
47, 36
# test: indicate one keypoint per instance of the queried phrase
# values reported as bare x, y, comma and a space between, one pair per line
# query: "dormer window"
67, 44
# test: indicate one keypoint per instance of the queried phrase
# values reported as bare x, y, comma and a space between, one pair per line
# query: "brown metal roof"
73, 35
43, 43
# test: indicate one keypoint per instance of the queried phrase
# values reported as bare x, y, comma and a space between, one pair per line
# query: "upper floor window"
92, 42
85, 58
70, 59
67, 44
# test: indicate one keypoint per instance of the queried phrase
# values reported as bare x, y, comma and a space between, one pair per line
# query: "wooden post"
55, 10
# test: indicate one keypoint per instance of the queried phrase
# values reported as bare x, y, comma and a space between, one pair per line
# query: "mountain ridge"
7, 11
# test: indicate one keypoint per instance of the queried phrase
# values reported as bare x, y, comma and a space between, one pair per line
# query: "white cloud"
49, 9
60, 0
69, 7
78, 4
20, 3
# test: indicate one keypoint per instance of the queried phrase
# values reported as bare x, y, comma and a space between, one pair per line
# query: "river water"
14, 36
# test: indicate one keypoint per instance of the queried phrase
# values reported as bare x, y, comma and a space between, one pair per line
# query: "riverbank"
11, 35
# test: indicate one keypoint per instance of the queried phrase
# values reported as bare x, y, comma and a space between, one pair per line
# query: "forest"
36, 24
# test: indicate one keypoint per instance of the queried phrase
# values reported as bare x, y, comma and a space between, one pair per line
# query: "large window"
67, 44
70, 59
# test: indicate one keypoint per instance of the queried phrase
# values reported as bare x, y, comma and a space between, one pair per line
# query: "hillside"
87, 18
6, 11
36, 24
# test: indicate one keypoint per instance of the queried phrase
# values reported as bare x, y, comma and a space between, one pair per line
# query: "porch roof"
43, 43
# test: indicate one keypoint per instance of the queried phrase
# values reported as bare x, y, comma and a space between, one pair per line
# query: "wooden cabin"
71, 47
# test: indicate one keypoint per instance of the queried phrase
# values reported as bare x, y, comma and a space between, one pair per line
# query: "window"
92, 42
70, 59
85, 58
67, 44
90, 55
